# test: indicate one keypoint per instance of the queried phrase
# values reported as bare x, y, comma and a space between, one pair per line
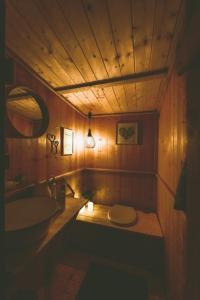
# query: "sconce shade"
90, 142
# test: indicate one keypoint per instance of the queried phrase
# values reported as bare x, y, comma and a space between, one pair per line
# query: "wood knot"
158, 37
128, 54
50, 50
88, 7
145, 41
173, 14
134, 28
169, 35
117, 56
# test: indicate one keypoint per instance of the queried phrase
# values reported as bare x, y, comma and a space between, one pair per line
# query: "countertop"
147, 223
18, 259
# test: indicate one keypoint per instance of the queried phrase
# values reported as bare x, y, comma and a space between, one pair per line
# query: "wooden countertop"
17, 259
147, 223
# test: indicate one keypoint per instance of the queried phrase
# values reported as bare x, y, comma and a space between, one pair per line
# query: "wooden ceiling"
70, 42
24, 104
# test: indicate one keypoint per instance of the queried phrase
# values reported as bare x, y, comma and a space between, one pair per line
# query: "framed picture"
66, 141
127, 133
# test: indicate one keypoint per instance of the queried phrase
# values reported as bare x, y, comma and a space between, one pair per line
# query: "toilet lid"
122, 215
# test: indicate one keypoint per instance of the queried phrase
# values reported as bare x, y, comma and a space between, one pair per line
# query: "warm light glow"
78, 142
90, 206
82, 210
87, 209
100, 143
89, 142
77, 195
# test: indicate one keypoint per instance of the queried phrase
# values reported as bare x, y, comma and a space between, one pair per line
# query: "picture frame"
127, 133
67, 138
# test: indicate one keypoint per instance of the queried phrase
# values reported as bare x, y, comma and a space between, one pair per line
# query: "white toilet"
122, 215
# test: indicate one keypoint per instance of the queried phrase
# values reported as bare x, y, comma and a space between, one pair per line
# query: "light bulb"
90, 142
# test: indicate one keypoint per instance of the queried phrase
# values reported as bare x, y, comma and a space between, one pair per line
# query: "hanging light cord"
89, 119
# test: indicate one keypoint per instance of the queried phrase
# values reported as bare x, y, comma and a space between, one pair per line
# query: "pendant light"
90, 142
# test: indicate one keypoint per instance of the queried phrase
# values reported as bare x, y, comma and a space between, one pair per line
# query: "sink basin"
10, 185
27, 220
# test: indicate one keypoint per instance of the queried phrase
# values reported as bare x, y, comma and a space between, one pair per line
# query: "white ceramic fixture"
27, 219
122, 215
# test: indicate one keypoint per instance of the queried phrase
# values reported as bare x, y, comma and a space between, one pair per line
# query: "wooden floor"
71, 270
76, 262
70, 264
147, 223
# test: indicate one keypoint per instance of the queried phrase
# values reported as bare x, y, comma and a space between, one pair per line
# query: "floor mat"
105, 283
66, 283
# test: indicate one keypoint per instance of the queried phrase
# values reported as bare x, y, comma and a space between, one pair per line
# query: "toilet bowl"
122, 215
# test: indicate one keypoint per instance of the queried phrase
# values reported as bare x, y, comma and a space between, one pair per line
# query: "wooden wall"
171, 155
123, 173
31, 157
133, 189
193, 180
128, 170
15, 148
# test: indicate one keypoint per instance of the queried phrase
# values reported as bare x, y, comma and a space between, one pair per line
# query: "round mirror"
27, 114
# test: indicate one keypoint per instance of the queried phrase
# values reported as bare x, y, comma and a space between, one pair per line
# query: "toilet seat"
122, 215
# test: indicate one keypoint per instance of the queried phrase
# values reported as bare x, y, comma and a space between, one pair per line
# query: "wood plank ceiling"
24, 104
67, 42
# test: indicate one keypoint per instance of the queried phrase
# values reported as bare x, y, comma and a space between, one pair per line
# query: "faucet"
52, 184
57, 194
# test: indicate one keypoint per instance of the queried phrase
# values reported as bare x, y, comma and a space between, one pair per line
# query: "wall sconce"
90, 142
54, 143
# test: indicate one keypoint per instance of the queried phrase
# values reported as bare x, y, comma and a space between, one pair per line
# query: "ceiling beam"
21, 96
108, 82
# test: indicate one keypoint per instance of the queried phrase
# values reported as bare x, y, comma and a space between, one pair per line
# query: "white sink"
27, 220
10, 185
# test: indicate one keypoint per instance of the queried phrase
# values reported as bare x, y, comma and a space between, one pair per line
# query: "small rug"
66, 283
106, 283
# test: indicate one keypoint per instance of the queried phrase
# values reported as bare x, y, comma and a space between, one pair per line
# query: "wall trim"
11, 193
139, 113
67, 174
121, 171
70, 173
19, 190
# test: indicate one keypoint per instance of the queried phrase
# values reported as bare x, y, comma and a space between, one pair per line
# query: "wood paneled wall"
171, 155
108, 154
18, 148
132, 189
31, 157
193, 180
115, 183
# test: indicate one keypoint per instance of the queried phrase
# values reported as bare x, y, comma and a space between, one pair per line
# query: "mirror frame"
13, 132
